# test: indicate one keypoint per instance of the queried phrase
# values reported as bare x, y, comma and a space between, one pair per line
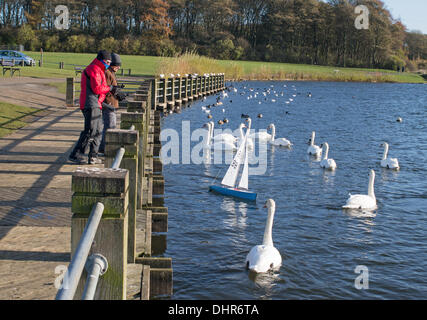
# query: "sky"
411, 12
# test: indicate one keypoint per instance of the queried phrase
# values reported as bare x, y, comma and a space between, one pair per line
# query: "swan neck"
209, 137
385, 151
241, 132
273, 132
268, 237
325, 156
371, 191
313, 135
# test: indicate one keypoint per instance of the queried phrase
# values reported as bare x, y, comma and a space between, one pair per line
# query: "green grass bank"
234, 70
13, 117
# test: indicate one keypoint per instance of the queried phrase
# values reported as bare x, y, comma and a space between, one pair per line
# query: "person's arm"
97, 84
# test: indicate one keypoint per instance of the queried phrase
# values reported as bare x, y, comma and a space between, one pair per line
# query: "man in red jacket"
93, 90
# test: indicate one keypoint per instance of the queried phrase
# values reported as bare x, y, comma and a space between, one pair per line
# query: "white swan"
389, 163
222, 144
223, 137
326, 163
262, 258
282, 142
313, 149
250, 142
262, 135
363, 201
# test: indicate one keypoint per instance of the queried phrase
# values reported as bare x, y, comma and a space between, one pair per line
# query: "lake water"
321, 244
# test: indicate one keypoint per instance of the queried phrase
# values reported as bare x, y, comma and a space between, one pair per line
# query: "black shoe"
77, 160
95, 161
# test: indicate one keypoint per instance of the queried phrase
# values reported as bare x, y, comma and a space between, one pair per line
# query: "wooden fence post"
137, 119
69, 95
110, 187
116, 139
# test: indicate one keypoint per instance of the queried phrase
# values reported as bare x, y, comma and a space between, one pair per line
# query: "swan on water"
313, 149
282, 142
262, 135
250, 142
326, 163
264, 257
226, 145
227, 137
363, 201
389, 163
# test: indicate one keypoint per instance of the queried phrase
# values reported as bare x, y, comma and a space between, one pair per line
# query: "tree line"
294, 31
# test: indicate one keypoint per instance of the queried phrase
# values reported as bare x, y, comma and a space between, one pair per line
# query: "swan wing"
360, 201
263, 258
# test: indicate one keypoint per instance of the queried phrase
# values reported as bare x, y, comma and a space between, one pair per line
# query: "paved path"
35, 191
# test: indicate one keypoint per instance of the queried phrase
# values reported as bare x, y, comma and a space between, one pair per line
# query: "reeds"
190, 63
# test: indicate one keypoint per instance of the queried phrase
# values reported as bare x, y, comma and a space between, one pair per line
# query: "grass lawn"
12, 117
247, 70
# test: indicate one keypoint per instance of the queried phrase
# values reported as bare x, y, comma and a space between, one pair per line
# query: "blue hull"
246, 195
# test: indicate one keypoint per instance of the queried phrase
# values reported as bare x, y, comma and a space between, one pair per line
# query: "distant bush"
109, 44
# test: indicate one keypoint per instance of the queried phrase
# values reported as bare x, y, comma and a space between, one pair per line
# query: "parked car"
9, 55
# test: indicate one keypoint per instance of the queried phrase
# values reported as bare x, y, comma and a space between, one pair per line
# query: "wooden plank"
159, 221
145, 283
155, 262
159, 244
161, 282
134, 274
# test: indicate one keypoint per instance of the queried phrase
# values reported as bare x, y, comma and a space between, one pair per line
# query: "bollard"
111, 188
69, 95
116, 139
137, 120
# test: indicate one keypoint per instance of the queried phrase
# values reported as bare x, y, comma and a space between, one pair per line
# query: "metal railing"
96, 264
78, 262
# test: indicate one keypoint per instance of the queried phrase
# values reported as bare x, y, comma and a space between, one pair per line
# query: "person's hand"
113, 90
120, 95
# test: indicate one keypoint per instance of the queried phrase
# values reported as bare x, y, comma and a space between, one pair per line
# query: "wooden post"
116, 139
154, 86
205, 91
69, 96
184, 88
179, 94
190, 88
41, 58
110, 187
137, 119
172, 92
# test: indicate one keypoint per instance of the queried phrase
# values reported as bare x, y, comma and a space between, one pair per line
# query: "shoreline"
326, 80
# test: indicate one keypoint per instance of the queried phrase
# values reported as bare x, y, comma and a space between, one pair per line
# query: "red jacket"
93, 92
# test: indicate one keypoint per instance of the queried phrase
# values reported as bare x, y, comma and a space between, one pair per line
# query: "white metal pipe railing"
96, 265
75, 269
118, 158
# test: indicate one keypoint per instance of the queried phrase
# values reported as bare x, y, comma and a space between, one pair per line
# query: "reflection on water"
265, 281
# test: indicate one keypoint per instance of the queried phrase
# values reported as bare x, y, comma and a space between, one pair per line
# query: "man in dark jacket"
93, 90
111, 103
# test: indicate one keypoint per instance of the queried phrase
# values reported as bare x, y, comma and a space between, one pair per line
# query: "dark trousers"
91, 135
110, 120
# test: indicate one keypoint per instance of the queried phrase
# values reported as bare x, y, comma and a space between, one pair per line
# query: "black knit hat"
115, 60
103, 55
